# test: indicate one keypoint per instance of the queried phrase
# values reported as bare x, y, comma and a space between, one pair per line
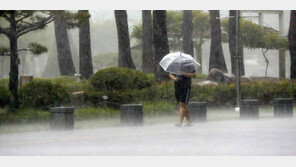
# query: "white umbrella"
178, 62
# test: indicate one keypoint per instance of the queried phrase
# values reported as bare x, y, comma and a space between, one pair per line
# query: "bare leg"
182, 112
187, 115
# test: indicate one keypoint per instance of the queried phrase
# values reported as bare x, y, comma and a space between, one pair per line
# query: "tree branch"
6, 54
5, 17
34, 26
24, 17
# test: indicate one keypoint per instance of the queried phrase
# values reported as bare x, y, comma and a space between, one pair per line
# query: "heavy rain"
147, 82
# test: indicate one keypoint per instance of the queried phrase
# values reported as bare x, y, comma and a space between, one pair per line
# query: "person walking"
182, 85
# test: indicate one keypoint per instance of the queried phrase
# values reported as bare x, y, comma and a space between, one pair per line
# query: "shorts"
182, 94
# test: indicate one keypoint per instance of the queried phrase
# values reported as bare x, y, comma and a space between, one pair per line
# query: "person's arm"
173, 77
189, 75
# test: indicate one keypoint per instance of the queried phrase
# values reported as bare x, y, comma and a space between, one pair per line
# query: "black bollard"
198, 111
62, 118
283, 107
132, 114
249, 108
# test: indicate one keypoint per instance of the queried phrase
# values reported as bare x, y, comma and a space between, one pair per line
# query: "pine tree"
21, 23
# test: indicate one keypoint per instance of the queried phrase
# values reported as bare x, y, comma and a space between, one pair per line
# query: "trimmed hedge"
43, 94
120, 85
120, 79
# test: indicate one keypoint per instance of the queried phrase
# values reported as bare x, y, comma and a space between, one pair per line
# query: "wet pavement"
235, 137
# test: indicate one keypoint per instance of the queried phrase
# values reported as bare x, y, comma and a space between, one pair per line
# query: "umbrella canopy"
178, 62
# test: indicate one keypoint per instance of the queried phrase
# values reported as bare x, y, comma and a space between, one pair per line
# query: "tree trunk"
2, 67
85, 59
187, 32
216, 53
232, 44
160, 42
124, 49
198, 49
14, 62
147, 43
292, 43
66, 64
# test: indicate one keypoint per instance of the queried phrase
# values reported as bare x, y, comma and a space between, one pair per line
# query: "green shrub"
43, 94
4, 82
120, 79
4, 96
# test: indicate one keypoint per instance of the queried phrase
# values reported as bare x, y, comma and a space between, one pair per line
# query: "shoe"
178, 125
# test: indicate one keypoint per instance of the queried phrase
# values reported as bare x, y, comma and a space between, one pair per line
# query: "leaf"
37, 49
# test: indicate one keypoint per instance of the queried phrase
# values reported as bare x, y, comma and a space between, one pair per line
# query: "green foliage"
43, 94
174, 23
4, 96
158, 91
4, 82
254, 36
201, 23
82, 16
120, 85
120, 79
274, 41
37, 49
137, 32
200, 19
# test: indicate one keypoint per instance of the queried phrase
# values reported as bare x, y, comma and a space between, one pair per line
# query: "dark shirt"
183, 82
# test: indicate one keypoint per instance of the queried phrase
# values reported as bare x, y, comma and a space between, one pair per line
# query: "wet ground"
267, 136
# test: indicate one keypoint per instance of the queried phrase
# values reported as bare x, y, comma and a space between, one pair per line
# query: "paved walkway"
236, 137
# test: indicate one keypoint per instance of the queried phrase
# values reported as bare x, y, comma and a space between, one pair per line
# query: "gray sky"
134, 17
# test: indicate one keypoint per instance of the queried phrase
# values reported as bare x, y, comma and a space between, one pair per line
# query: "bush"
4, 96
43, 94
120, 79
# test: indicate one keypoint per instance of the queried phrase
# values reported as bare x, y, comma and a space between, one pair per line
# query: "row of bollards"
283, 107
132, 114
